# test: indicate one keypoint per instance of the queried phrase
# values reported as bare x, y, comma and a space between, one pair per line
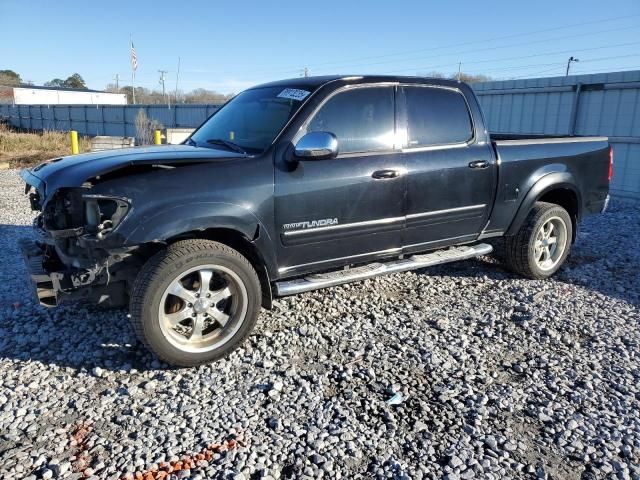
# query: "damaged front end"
77, 253
83, 247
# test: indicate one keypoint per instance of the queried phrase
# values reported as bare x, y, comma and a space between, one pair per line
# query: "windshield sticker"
293, 94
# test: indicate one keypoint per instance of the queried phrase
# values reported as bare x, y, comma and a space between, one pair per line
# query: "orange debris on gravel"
186, 462
78, 442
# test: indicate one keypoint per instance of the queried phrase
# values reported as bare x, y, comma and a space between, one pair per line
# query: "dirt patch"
26, 149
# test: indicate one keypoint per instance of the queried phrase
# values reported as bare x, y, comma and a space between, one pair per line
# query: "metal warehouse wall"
115, 120
605, 104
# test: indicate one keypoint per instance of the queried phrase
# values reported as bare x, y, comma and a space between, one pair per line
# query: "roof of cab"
312, 83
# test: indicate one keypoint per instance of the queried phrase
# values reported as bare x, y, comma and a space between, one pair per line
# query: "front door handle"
382, 174
479, 164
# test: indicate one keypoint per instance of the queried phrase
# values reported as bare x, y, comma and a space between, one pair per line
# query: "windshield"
251, 120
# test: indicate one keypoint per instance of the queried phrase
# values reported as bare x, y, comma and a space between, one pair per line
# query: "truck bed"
525, 159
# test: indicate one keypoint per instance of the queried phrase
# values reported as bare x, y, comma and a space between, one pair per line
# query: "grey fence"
115, 120
601, 104
605, 104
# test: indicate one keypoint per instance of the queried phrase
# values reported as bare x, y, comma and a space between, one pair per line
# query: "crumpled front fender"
178, 219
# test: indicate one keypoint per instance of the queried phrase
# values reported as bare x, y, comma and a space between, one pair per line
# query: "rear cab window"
436, 116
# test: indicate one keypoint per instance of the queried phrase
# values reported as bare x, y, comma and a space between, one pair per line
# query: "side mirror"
317, 146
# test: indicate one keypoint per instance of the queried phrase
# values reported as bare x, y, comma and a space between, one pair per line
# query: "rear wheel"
542, 243
195, 302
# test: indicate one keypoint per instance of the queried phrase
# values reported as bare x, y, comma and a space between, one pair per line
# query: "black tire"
498, 245
158, 274
520, 249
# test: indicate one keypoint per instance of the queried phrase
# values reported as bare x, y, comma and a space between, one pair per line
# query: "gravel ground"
459, 371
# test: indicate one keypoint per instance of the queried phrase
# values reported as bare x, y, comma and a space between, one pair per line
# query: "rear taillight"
610, 175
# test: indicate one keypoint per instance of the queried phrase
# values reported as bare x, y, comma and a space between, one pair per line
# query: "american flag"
134, 58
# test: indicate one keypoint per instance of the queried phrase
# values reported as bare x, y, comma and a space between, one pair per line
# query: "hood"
75, 170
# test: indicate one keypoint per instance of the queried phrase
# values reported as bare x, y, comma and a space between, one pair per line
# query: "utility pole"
116, 77
305, 72
162, 72
571, 59
459, 70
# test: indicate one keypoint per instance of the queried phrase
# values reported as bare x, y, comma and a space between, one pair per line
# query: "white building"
31, 95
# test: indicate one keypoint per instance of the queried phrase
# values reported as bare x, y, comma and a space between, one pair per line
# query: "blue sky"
228, 46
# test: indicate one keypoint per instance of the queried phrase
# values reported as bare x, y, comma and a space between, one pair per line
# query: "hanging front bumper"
45, 288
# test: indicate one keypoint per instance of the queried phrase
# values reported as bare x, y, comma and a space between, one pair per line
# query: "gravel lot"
459, 371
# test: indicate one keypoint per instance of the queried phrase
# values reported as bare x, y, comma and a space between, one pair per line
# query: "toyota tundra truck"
298, 185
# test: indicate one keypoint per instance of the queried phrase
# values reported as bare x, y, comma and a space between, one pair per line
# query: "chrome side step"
338, 277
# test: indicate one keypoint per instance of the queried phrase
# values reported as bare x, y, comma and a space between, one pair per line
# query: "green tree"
111, 87
72, 81
202, 95
141, 94
464, 77
56, 82
9, 78
75, 81
470, 78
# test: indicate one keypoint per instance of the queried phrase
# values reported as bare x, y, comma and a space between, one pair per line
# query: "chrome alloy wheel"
202, 308
550, 243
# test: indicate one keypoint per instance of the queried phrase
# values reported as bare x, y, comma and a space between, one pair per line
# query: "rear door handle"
382, 174
479, 164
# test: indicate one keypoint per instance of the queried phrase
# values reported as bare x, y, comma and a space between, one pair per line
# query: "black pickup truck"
298, 185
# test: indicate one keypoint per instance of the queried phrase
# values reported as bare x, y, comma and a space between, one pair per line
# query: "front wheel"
195, 302
542, 243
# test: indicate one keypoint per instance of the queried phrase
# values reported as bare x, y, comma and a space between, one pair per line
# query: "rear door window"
362, 119
436, 116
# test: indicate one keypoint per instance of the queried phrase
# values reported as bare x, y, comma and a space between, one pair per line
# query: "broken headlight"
102, 214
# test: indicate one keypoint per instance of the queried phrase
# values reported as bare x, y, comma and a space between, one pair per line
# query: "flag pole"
177, 77
133, 71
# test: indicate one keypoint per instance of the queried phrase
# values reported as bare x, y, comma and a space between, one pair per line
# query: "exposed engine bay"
73, 240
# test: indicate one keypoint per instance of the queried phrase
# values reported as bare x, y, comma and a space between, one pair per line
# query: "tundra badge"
325, 222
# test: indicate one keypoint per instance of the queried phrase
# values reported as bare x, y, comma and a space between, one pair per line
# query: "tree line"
199, 95
9, 78
155, 97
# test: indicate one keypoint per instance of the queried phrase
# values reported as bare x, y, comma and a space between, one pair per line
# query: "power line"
608, 70
473, 62
458, 53
495, 47
555, 65
558, 64
592, 72
503, 37
561, 66
337, 64
532, 75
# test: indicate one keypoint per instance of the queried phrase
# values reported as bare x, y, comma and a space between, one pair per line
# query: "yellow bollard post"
74, 142
157, 137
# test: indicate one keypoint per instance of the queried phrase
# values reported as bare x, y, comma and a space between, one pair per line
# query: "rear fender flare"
548, 182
